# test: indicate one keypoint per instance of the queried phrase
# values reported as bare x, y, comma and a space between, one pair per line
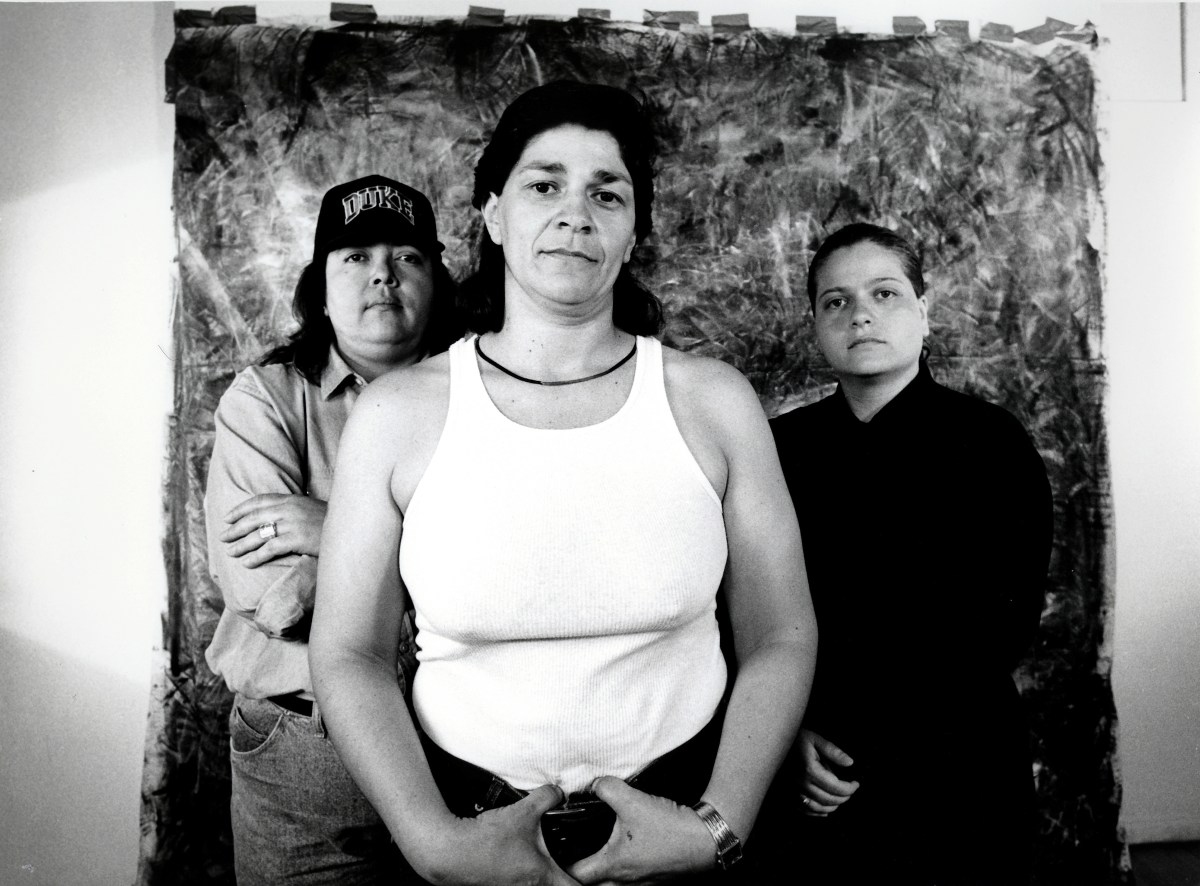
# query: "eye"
543, 187
354, 257
409, 258
886, 293
833, 303
609, 198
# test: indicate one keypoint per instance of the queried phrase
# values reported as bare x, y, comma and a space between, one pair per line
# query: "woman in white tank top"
561, 498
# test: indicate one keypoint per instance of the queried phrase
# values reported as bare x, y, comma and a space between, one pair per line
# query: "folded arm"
255, 454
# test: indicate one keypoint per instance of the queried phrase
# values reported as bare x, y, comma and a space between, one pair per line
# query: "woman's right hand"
822, 791
500, 846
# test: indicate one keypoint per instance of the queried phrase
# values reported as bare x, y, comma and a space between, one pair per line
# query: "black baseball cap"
375, 209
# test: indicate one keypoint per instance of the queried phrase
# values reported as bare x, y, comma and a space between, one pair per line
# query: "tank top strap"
652, 409
648, 393
469, 400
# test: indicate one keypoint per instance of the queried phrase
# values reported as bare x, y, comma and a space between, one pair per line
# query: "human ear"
923, 307
491, 219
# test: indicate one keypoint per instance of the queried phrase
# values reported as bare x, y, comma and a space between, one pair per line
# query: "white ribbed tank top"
565, 585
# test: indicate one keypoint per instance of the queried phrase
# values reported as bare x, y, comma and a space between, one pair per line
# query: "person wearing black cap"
376, 296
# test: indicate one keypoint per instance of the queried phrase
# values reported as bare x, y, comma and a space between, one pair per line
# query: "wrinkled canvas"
985, 154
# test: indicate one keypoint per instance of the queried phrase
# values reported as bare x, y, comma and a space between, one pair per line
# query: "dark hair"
307, 349
860, 232
565, 103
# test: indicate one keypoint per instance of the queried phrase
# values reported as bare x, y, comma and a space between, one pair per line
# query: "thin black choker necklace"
554, 384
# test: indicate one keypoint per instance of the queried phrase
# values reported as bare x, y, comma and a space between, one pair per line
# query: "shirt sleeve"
256, 452
1024, 536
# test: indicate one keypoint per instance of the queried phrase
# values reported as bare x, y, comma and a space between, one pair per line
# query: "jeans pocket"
253, 724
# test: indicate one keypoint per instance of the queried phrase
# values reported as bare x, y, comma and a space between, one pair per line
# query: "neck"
558, 348
371, 363
866, 395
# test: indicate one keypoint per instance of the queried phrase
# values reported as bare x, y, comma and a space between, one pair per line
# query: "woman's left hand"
299, 521
654, 840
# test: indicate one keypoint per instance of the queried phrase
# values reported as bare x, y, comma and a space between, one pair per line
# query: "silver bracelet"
729, 847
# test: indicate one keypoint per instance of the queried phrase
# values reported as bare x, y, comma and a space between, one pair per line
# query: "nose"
383, 273
576, 213
863, 313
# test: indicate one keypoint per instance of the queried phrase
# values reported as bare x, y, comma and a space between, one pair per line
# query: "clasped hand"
653, 840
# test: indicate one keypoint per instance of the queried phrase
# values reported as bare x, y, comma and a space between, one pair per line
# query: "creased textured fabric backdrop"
985, 154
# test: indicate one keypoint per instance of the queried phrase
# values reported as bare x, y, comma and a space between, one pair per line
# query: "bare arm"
774, 628
352, 651
774, 636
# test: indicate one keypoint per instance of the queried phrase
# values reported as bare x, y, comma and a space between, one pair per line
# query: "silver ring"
268, 530
806, 801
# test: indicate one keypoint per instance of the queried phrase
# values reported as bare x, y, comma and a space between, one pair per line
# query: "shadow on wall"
68, 781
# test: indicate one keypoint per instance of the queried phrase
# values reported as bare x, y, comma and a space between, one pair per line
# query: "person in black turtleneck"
926, 519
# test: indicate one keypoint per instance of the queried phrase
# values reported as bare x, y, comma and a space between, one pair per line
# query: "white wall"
1152, 334
86, 246
85, 286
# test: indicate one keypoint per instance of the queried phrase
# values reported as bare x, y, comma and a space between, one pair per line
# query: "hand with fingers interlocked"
822, 789
265, 527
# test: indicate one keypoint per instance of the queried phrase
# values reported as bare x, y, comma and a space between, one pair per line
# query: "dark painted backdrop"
985, 154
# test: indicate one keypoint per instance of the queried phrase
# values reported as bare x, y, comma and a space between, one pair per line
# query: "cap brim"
394, 236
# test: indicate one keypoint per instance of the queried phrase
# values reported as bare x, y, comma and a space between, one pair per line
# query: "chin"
865, 368
572, 295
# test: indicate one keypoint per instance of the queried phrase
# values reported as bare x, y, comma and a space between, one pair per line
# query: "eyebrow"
605, 176
872, 282
608, 176
543, 166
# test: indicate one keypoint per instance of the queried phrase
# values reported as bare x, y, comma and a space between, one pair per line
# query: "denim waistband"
294, 702
680, 774
677, 775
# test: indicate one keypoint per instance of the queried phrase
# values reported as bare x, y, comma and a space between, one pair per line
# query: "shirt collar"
337, 375
907, 403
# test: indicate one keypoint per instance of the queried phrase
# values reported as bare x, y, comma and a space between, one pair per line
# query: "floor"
1166, 864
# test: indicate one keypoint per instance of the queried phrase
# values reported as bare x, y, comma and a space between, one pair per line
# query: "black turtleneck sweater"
927, 535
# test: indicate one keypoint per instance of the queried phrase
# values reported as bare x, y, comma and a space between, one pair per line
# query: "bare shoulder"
716, 411
398, 420
401, 411
416, 382
707, 385
408, 395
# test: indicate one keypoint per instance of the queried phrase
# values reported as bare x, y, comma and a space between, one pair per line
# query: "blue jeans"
298, 817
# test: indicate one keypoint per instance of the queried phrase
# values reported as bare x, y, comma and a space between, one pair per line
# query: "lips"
569, 253
865, 341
